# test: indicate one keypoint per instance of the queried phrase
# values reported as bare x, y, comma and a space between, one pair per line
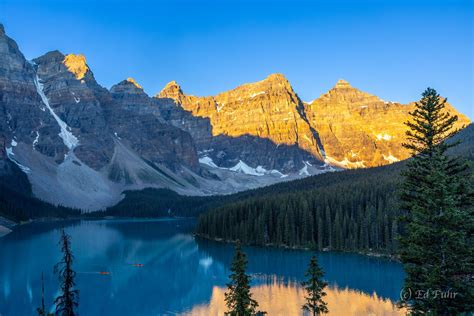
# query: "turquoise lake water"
157, 267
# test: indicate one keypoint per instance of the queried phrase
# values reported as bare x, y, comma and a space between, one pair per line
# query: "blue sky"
394, 49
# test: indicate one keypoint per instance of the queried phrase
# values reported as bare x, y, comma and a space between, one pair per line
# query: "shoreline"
270, 245
6, 226
4, 231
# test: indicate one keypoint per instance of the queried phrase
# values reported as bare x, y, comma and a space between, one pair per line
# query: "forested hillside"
355, 211
350, 211
18, 204
358, 204
164, 202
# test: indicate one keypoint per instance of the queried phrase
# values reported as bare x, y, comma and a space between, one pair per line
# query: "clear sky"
394, 49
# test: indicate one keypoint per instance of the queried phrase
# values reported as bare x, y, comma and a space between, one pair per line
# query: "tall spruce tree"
67, 302
42, 309
436, 248
314, 288
238, 297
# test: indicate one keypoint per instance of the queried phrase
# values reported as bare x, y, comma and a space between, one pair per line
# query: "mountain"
358, 129
78, 144
259, 124
81, 145
345, 127
17, 202
348, 186
351, 210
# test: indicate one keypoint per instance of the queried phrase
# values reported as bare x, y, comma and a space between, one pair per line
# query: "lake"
157, 267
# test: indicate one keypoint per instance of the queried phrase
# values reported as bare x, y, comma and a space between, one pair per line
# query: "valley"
236, 158
81, 145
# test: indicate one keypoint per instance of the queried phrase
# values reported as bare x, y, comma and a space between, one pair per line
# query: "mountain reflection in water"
282, 300
157, 267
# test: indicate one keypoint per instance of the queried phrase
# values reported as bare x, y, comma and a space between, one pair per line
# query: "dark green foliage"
346, 211
238, 297
19, 207
67, 301
158, 203
17, 202
437, 247
353, 210
42, 310
314, 287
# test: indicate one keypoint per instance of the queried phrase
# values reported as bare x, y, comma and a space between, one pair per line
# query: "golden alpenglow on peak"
342, 84
172, 83
132, 81
277, 77
76, 64
358, 129
345, 127
172, 90
266, 109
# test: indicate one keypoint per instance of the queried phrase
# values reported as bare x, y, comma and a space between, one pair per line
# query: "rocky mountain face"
344, 128
262, 124
23, 123
360, 130
82, 145
149, 135
70, 89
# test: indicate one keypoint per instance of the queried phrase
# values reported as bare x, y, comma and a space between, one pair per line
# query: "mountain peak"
2, 29
172, 90
172, 84
276, 77
342, 84
277, 80
51, 56
76, 64
128, 86
132, 81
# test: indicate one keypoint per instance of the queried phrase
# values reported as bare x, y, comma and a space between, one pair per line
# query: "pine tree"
314, 287
42, 310
67, 302
437, 247
238, 298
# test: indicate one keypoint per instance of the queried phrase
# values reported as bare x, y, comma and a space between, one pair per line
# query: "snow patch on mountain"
390, 158
35, 141
10, 155
259, 171
253, 95
344, 163
208, 161
383, 136
242, 167
304, 171
70, 141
